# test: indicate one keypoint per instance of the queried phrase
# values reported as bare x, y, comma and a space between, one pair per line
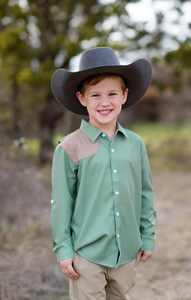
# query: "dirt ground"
28, 268
167, 276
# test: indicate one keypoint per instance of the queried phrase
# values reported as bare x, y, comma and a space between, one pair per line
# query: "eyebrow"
110, 91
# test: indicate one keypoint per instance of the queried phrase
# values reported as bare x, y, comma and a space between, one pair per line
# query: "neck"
111, 134
110, 129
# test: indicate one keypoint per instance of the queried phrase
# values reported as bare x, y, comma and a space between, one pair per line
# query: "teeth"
105, 111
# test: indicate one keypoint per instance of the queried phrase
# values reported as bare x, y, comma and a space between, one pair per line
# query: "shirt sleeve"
148, 213
63, 199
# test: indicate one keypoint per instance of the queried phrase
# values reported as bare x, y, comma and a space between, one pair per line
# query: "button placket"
115, 180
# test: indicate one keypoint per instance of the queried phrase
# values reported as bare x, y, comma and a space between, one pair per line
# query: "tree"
180, 58
39, 36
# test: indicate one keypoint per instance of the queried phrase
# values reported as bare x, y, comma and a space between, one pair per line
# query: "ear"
81, 98
124, 98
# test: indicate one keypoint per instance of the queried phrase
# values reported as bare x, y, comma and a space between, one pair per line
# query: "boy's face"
103, 102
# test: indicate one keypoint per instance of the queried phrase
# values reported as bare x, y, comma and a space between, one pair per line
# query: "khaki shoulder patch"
78, 146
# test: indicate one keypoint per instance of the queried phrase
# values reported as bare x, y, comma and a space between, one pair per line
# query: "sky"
144, 11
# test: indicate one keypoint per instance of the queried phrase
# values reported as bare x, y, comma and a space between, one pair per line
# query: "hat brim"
65, 84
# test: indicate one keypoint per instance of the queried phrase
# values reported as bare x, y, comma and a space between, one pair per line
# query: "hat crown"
98, 57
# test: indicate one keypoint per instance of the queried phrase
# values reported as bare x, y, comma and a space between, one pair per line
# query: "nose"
105, 101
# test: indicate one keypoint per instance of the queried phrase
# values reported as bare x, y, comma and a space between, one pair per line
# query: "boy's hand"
67, 268
145, 255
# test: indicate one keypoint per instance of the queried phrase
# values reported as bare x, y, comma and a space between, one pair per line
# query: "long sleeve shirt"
102, 197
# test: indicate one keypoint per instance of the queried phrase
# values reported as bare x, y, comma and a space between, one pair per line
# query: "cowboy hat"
136, 75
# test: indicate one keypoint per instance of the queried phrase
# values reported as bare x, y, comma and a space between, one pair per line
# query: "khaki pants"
97, 282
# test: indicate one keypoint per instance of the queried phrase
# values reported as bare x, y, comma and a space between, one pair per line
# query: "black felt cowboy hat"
65, 84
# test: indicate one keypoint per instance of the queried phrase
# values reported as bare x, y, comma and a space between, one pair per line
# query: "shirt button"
116, 193
118, 235
103, 134
114, 171
117, 213
112, 150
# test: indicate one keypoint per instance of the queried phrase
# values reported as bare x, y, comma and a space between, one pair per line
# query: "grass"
152, 133
168, 145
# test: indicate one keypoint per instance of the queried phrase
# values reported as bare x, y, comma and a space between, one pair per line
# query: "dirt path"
167, 276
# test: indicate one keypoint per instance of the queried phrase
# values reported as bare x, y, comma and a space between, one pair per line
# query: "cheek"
90, 108
123, 101
118, 104
92, 105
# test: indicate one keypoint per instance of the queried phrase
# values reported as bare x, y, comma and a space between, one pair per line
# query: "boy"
103, 215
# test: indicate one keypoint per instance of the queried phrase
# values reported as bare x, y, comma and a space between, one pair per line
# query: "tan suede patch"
78, 146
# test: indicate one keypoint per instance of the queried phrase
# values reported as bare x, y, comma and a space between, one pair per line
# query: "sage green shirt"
102, 197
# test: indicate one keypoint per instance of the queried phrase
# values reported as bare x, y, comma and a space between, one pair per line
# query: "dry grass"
28, 268
167, 275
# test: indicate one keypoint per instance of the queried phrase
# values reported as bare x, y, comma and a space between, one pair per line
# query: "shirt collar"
122, 130
93, 132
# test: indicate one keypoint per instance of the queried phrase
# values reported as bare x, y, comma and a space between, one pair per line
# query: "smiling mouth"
105, 112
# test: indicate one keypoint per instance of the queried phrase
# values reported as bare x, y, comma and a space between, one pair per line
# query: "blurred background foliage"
38, 36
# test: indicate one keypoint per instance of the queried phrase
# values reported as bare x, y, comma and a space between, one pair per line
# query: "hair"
94, 79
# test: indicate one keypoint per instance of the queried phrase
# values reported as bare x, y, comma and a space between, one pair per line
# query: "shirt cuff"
147, 243
64, 250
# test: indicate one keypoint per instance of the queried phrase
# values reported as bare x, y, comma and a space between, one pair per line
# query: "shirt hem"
105, 265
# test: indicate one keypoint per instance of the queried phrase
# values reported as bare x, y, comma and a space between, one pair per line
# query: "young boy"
103, 215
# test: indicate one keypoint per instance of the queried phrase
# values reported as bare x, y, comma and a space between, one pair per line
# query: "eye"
112, 94
95, 95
